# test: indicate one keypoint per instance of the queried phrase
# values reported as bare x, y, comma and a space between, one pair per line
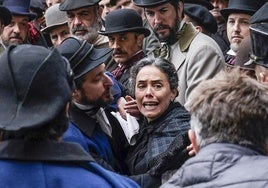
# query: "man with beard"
196, 56
17, 31
91, 123
84, 19
124, 28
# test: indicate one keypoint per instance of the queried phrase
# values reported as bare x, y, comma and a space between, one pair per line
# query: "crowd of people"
192, 74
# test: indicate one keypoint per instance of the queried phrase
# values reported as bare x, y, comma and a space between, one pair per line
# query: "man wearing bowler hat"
56, 25
84, 18
35, 91
91, 124
237, 15
259, 43
17, 31
124, 28
5, 19
196, 56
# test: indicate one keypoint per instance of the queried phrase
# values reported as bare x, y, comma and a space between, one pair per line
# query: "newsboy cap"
67, 5
5, 15
124, 20
83, 57
21, 7
241, 6
34, 85
202, 16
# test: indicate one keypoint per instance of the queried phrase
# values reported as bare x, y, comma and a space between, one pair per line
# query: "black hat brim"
226, 12
5, 15
142, 30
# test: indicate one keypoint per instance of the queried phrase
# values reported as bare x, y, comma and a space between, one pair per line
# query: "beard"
99, 102
92, 31
171, 38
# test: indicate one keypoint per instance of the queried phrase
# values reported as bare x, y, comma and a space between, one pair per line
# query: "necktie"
163, 51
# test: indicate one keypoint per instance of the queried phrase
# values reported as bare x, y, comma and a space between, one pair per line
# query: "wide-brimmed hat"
241, 6
83, 57
202, 16
124, 20
150, 3
259, 41
21, 7
34, 88
261, 15
5, 15
259, 37
67, 5
54, 17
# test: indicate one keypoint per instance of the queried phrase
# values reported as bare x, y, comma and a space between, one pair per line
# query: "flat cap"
202, 16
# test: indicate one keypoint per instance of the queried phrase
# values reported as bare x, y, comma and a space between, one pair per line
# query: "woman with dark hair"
162, 140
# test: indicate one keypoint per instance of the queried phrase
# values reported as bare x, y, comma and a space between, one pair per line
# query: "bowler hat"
150, 3
241, 6
21, 7
34, 86
261, 15
124, 20
82, 55
202, 16
67, 5
54, 17
5, 15
204, 3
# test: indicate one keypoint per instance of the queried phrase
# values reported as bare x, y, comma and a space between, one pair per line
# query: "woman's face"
152, 92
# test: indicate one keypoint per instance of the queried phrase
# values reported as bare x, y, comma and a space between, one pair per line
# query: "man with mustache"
17, 31
84, 19
124, 28
196, 56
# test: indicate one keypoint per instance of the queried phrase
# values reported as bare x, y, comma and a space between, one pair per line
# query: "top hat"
21, 7
204, 3
38, 4
67, 5
124, 20
35, 88
54, 17
5, 15
261, 15
83, 57
241, 6
202, 16
149, 3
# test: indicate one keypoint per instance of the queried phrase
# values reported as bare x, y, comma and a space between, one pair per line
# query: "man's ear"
180, 10
192, 137
76, 95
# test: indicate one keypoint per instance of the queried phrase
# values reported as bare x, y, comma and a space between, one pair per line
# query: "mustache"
161, 26
14, 35
80, 28
118, 52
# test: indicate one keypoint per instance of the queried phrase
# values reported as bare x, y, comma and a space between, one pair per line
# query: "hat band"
77, 58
